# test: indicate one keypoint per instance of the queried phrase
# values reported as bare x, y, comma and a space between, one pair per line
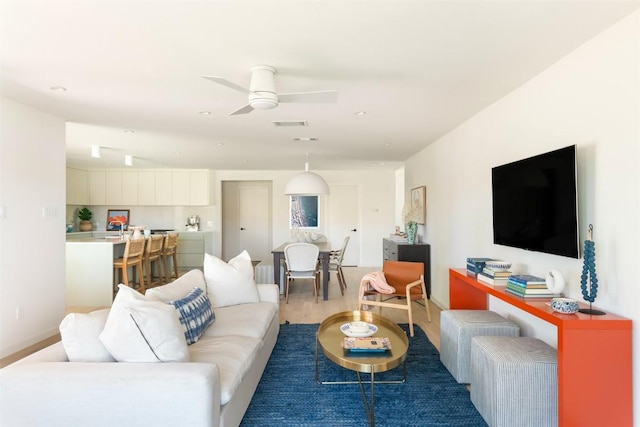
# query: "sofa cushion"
234, 355
79, 333
140, 330
230, 283
195, 313
179, 287
250, 320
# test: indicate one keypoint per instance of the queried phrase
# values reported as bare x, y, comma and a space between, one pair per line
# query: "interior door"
246, 219
254, 223
344, 208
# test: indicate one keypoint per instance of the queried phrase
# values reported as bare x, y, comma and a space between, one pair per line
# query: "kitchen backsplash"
150, 216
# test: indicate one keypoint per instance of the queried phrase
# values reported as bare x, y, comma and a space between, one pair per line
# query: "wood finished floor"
302, 308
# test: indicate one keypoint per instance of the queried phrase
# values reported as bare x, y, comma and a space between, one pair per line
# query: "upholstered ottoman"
457, 327
514, 381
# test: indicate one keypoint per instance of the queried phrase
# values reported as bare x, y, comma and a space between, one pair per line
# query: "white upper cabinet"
77, 187
97, 188
146, 188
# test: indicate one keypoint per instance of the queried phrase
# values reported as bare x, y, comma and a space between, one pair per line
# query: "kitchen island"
89, 268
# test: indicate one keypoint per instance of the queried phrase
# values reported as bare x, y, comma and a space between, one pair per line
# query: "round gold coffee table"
329, 338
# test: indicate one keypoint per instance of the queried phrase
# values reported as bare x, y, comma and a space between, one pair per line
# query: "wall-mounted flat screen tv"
535, 203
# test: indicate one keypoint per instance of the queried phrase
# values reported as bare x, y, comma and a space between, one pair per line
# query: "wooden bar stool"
153, 254
169, 254
132, 257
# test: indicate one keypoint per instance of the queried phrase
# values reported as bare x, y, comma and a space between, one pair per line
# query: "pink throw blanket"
373, 282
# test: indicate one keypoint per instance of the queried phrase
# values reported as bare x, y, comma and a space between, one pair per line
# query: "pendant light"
306, 183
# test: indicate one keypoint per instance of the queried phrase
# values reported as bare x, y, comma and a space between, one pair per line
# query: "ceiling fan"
262, 91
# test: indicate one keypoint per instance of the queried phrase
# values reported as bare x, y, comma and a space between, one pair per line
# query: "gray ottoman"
457, 327
514, 381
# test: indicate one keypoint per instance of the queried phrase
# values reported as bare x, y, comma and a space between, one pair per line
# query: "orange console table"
594, 354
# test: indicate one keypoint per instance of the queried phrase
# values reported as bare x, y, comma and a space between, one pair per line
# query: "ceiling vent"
291, 123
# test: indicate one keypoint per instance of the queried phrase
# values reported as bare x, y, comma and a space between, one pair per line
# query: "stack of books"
528, 286
494, 277
475, 265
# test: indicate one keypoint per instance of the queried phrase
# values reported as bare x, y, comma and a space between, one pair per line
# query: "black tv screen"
535, 203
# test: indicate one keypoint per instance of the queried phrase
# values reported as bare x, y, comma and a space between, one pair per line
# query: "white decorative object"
555, 281
564, 305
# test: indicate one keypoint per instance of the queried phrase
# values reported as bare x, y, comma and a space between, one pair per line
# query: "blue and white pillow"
196, 314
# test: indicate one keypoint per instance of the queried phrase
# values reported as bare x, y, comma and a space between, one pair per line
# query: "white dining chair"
301, 262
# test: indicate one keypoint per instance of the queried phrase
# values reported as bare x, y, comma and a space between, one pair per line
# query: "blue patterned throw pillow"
196, 314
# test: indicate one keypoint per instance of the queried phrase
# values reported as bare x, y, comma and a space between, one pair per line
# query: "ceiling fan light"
263, 104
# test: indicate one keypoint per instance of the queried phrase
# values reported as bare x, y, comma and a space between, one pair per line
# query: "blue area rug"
288, 394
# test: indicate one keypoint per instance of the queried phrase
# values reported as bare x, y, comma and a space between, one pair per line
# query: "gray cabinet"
417, 252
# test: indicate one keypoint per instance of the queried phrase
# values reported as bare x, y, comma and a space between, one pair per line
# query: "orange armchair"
408, 280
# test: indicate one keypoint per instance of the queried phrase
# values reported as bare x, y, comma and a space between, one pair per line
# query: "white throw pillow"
140, 330
80, 331
230, 283
179, 288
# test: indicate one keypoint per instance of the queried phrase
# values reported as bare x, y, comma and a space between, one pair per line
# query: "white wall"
590, 98
32, 177
377, 206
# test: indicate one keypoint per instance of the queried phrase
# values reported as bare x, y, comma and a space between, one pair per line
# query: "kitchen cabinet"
164, 191
77, 187
148, 188
417, 252
113, 188
97, 187
192, 245
199, 190
180, 181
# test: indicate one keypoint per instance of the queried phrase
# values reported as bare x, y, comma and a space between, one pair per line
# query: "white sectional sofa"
213, 388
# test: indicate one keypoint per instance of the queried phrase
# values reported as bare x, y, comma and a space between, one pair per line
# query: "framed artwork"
117, 219
419, 203
303, 212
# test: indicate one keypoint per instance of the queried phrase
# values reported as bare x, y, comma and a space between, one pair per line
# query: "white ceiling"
418, 68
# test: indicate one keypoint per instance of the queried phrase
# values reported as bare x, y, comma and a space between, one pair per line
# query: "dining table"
325, 254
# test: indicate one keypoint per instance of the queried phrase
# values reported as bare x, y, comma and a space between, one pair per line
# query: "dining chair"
153, 255
407, 278
335, 264
169, 256
301, 262
132, 257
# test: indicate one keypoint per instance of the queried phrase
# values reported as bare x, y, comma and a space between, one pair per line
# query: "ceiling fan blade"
243, 110
320, 96
227, 83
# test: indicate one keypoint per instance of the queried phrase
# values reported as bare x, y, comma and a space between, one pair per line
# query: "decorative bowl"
564, 305
358, 327
498, 265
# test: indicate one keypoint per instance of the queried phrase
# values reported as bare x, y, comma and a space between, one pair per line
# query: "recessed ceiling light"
129, 131
58, 88
204, 113
220, 144
305, 139
374, 164
360, 113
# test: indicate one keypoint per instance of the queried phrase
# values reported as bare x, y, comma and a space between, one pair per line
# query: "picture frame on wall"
117, 219
419, 203
303, 212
